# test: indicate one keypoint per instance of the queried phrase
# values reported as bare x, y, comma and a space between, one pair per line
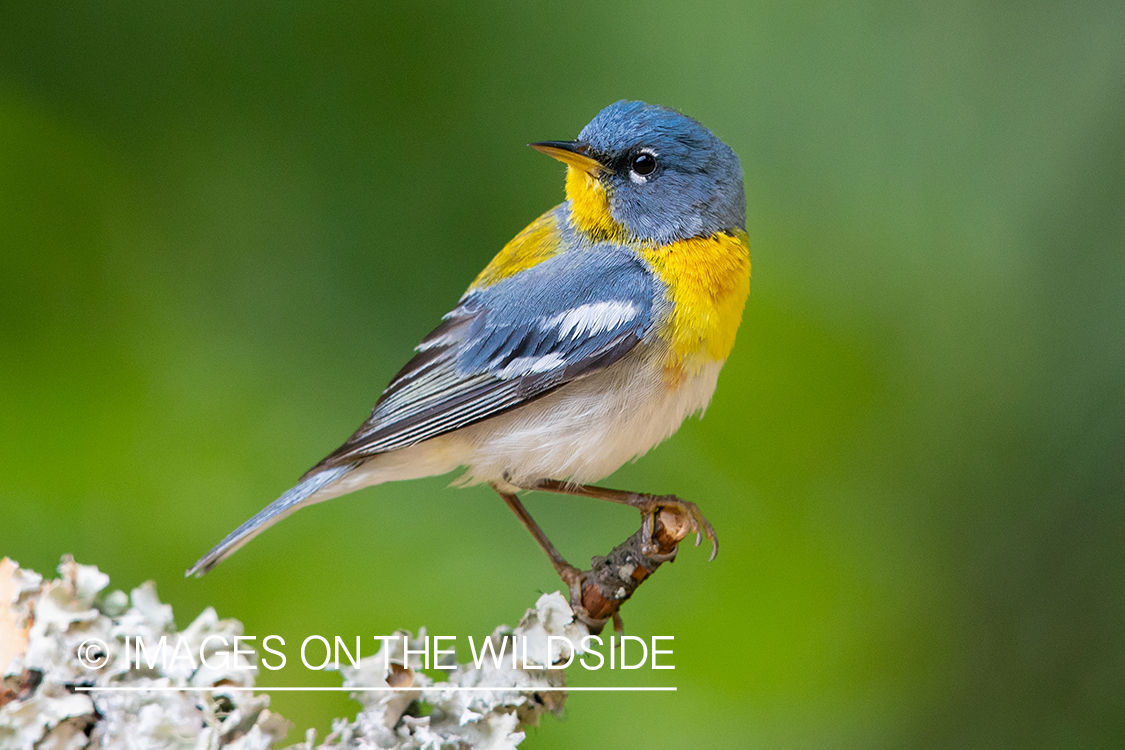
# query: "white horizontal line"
429, 688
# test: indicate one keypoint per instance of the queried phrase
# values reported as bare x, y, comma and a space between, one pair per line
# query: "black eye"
644, 164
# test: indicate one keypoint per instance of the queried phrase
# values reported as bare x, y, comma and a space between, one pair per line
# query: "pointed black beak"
577, 154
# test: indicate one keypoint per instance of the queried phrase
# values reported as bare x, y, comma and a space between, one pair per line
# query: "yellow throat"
589, 205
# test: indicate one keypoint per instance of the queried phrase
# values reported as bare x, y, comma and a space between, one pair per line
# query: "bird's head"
648, 173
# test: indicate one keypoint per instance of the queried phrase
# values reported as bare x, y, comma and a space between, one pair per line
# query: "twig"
614, 578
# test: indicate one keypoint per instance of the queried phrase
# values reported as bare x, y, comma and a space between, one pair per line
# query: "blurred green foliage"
224, 225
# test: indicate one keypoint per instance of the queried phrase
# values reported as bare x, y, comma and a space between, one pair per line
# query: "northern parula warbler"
585, 342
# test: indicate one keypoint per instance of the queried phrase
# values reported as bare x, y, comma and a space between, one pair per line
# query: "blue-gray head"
652, 174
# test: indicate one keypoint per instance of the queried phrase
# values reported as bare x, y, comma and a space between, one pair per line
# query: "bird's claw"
650, 548
699, 524
574, 579
652, 552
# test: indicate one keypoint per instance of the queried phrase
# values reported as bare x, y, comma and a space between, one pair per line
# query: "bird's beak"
577, 154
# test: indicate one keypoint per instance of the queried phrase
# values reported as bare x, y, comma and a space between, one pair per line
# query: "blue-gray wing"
510, 343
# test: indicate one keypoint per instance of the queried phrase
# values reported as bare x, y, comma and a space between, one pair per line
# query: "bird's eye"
644, 164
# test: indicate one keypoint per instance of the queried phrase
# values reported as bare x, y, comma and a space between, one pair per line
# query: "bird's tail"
296, 498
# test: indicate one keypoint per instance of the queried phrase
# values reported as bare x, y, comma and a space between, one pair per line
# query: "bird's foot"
574, 580
650, 505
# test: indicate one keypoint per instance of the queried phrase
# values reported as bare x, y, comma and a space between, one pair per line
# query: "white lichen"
56, 621
47, 628
439, 718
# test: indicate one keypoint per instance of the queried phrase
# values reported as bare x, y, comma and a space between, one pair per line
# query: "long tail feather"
296, 498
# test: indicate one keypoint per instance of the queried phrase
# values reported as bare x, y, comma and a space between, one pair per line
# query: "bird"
585, 342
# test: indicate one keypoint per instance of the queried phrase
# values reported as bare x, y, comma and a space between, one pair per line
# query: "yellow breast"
708, 280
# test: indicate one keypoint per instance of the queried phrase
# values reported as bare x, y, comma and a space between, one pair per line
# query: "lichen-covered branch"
63, 642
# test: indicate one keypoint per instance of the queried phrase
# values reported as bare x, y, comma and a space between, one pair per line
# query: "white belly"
583, 432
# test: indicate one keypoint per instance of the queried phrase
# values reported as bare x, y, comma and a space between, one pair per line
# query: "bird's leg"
570, 575
647, 504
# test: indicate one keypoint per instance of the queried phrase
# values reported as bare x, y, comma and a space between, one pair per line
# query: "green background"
223, 226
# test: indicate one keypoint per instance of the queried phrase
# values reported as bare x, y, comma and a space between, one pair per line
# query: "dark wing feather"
510, 343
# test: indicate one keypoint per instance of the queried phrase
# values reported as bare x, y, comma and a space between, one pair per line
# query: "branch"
615, 577
63, 637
